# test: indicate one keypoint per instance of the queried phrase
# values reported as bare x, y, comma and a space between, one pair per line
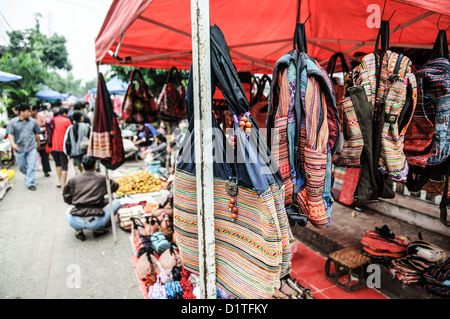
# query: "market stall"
140, 33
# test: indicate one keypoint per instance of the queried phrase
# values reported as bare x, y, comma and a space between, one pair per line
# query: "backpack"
303, 116
377, 110
427, 143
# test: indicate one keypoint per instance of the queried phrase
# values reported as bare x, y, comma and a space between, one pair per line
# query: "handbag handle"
332, 64
140, 79
170, 75
383, 37
299, 42
440, 47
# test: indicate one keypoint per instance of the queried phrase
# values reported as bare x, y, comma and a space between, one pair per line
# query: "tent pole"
201, 71
113, 220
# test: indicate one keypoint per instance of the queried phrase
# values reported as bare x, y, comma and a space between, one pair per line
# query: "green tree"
32, 72
37, 58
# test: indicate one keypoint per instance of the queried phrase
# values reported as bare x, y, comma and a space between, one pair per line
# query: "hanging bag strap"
332, 64
170, 76
379, 113
299, 42
440, 47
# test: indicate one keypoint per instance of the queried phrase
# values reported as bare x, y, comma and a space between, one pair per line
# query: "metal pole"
201, 68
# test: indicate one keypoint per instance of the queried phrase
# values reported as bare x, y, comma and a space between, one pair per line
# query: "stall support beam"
201, 71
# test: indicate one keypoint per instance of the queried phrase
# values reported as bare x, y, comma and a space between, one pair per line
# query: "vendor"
157, 151
144, 135
86, 193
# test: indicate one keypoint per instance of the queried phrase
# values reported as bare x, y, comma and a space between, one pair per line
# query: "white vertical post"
201, 71
110, 199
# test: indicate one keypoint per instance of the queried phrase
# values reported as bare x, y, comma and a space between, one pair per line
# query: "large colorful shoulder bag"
139, 104
252, 235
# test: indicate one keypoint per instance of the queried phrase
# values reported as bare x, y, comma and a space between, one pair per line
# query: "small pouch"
159, 242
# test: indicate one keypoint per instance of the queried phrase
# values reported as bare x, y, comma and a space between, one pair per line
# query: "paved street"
42, 259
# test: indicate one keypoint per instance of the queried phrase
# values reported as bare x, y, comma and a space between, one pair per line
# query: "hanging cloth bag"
138, 105
171, 101
253, 248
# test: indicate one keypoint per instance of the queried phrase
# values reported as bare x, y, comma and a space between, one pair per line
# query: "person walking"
61, 124
41, 120
23, 134
76, 140
86, 194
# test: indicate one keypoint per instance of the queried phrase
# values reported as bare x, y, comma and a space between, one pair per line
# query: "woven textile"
392, 159
427, 137
353, 139
280, 148
364, 76
252, 252
316, 159
378, 245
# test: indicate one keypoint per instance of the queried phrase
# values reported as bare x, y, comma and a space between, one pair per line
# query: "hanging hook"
392, 15
299, 4
382, 13
307, 18
437, 24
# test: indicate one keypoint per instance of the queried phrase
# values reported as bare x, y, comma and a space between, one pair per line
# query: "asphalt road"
42, 259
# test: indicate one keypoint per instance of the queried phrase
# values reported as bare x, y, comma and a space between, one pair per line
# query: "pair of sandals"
97, 233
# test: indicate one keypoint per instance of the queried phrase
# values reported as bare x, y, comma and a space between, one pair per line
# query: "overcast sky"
79, 21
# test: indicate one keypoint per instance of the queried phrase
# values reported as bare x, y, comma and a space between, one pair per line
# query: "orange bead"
248, 130
232, 200
234, 216
235, 210
244, 118
232, 138
248, 124
231, 205
241, 123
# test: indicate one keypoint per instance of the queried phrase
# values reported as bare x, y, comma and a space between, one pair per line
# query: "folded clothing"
438, 274
427, 251
386, 245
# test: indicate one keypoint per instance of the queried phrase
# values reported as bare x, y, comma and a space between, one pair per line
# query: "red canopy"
156, 34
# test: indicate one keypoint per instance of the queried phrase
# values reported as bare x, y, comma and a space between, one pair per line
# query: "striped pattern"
252, 252
350, 155
100, 145
429, 132
364, 75
392, 159
315, 154
280, 147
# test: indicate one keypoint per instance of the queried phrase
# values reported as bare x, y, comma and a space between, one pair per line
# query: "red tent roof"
157, 33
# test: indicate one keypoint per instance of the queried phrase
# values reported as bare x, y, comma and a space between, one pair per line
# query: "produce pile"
139, 182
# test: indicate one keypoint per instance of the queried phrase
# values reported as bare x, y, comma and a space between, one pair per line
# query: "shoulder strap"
332, 64
300, 38
440, 48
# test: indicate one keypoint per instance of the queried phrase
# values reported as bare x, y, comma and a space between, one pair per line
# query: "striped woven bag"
253, 248
306, 129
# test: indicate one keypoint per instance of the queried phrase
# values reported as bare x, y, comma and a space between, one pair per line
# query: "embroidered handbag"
252, 236
171, 101
139, 104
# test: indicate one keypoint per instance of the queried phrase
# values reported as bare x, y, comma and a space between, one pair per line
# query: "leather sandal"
100, 232
80, 235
